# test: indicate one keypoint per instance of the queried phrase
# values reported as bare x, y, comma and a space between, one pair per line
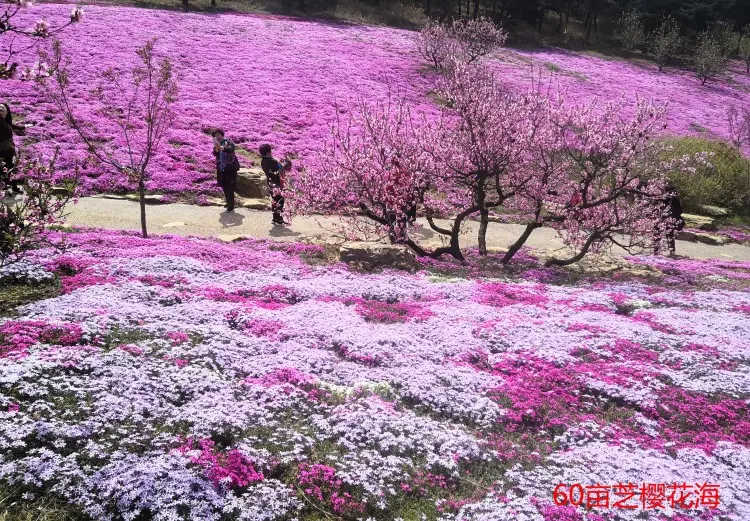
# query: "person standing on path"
670, 220
8, 153
229, 165
218, 136
274, 177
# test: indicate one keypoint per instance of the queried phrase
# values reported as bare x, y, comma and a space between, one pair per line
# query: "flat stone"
148, 198
373, 254
713, 211
713, 240
216, 201
177, 224
685, 236
257, 204
699, 222
109, 196
251, 183
232, 238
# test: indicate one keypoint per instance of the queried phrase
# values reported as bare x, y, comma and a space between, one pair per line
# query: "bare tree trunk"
484, 217
520, 242
142, 200
587, 23
185, 3
543, 10
302, 6
213, 3
484, 220
476, 9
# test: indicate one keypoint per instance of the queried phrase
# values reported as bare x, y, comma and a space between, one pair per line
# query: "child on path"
275, 177
670, 220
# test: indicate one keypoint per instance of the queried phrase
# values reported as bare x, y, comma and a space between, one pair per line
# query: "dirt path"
209, 221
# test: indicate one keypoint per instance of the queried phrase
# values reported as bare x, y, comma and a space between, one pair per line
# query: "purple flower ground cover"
274, 79
183, 378
694, 109
261, 78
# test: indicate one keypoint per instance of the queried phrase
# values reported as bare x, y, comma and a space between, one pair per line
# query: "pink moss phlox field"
278, 80
186, 378
694, 109
262, 79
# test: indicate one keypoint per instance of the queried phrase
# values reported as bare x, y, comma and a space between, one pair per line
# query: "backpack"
228, 161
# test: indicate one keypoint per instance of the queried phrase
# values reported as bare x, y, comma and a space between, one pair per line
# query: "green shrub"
725, 182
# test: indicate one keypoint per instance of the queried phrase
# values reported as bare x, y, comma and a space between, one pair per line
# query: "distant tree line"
550, 15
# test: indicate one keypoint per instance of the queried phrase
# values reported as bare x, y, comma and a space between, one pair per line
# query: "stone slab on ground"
148, 198
115, 197
374, 255
713, 240
704, 238
713, 211
177, 224
257, 204
233, 238
699, 222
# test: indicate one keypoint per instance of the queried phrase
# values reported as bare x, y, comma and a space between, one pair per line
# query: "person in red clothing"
398, 219
577, 198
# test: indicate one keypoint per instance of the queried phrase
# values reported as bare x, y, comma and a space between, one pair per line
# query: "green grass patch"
118, 336
14, 294
40, 507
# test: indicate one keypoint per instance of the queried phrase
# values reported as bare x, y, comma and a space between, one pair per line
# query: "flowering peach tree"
464, 39
139, 103
591, 172
29, 38
27, 224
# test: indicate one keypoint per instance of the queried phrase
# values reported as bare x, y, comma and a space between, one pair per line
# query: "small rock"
372, 254
109, 196
232, 238
257, 204
713, 240
714, 211
148, 198
216, 201
699, 222
251, 183
685, 236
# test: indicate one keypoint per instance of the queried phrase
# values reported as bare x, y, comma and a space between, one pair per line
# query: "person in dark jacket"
274, 171
229, 165
670, 220
8, 154
218, 136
